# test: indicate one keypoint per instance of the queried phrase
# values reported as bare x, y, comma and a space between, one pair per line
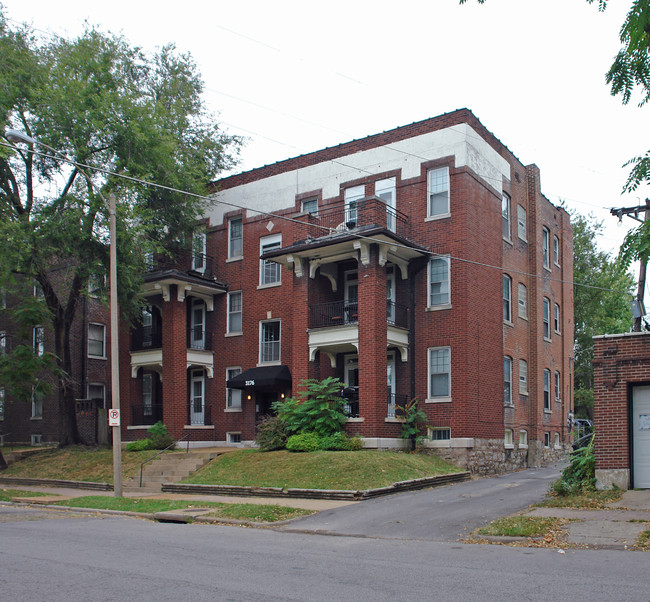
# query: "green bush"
412, 420
271, 433
320, 408
160, 438
304, 442
341, 442
580, 474
139, 445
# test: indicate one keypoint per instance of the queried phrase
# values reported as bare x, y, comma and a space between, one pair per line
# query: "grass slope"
318, 470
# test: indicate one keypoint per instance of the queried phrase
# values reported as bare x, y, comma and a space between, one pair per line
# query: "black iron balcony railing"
199, 413
366, 213
351, 408
199, 338
186, 261
339, 313
144, 414
146, 337
395, 402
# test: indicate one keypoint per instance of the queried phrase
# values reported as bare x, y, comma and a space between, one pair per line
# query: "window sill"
233, 410
524, 393
433, 218
360, 419
394, 420
508, 446
97, 357
523, 318
438, 400
36, 418
270, 285
199, 427
276, 363
522, 239
549, 412
508, 405
233, 334
523, 446
547, 268
547, 340
507, 240
144, 427
508, 323
558, 333
438, 307
232, 259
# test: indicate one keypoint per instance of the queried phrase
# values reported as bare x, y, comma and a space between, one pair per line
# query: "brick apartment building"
422, 262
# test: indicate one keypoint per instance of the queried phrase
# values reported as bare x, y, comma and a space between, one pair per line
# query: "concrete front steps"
170, 468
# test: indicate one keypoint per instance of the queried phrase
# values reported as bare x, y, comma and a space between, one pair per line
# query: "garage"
640, 433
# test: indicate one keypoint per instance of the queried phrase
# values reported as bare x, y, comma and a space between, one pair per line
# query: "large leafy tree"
111, 109
601, 299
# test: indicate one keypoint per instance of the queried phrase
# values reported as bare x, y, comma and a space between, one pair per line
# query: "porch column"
300, 324
174, 371
372, 344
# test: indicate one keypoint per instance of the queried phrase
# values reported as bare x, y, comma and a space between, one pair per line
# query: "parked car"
583, 424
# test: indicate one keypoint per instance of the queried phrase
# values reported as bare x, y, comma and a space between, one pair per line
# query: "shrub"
304, 442
160, 438
271, 433
320, 408
412, 418
341, 442
580, 474
139, 445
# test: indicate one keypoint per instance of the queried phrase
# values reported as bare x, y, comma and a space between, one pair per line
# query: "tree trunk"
67, 416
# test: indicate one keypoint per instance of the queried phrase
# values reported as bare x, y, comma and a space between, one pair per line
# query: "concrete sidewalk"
617, 527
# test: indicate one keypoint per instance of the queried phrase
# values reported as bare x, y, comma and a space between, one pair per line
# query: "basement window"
233, 437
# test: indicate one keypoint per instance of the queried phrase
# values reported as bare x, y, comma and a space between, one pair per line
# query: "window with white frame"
38, 340
270, 341
507, 380
547, 390
507, 298
523, 438
556, 437
233, 437
310, 205
505, 215
547, 439
235, 237
235, 312
97, 391
439, 373
545, 248
438, 192
199, 252
352, 196
442, 433
2, 403
521, 223
233, 396
386, 190
558, 386
522, 300
556, 250
37, 403
147, 394
38, 290
523, 377
546, 318
556, 318
439, 281
507, 438
96, 340
270, 271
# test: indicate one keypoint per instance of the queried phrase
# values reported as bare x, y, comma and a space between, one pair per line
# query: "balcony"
146, 337
199, 338
192, 263
340, 313
146, 414
395, 401
199, 414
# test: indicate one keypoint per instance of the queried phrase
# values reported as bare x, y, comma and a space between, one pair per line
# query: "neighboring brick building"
423, 262
622, 410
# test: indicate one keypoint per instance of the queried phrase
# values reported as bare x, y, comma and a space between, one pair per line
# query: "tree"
111, 109
601, 299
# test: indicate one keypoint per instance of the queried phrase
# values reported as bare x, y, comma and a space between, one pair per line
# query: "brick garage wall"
620, 362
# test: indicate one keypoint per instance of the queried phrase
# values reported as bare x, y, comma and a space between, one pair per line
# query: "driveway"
440, 514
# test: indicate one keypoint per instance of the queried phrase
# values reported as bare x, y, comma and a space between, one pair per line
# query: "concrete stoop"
170, 468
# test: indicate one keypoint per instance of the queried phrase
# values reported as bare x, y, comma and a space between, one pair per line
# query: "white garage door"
641, 437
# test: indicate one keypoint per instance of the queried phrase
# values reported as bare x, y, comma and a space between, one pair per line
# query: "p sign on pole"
113, 417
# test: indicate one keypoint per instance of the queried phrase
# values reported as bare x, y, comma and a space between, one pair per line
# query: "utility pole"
634, 212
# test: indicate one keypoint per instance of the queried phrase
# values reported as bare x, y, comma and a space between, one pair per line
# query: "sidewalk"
605, 529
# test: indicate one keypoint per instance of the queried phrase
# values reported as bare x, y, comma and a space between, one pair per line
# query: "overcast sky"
295, 77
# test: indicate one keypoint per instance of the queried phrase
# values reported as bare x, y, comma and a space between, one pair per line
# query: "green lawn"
6, 495
358, 470
521, 526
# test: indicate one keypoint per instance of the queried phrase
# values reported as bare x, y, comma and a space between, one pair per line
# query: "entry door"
351, 296
197, 399
641, 437
198, 324
390, 294
390, 384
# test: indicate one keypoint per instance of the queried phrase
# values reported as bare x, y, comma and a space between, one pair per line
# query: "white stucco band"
279, 191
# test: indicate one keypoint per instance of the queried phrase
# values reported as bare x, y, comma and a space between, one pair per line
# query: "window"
3, 343
235, 312
270, 342
440, 373
198, 252
546, 317
96, 283
37, 403
3, 298
523, 377
523, 438
556, 251
310, 206
439, 281
147, 394
507, 293
97, 391
38, 340
438, 192
233, 437
386, 191
523, 301
556, 318
505, 216
545, 250
197, 398
547, 390
547, 439
440, 433
507, 438
352, 196
556, 440
233, 396
2, 403
269, 270
38, 290
96, 340
235, 237
507, 380
558, 386
521, 222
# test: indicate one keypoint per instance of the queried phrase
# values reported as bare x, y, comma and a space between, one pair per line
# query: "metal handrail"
164, 450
